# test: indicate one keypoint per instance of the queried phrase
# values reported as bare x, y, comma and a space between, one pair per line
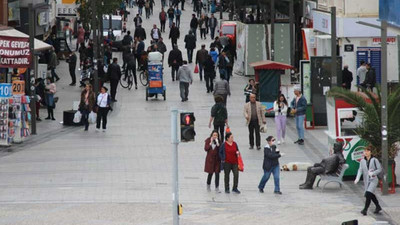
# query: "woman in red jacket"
228, 153
213, 162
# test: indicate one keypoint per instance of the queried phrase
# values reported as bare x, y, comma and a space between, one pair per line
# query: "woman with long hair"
213, 162
50, 90
369, 168
280, 108
87, 103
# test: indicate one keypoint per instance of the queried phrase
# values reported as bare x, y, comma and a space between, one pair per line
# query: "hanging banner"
14, 52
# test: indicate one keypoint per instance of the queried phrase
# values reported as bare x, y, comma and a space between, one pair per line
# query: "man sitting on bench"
328, 166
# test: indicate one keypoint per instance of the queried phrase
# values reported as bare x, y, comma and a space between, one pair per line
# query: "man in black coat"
212, 23
174, 34
347, 77
138, 20
175, 61
190, 44
72, 67
201, 57
140, 32
131, 66
194, 23
114, 73
271, 165
370, 78
328, 165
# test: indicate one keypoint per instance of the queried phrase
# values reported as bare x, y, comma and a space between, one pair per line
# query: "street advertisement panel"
305, 69
389, 11
14, 52
155, 76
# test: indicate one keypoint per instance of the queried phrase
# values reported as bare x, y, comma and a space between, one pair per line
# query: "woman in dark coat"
213, 162
88, 101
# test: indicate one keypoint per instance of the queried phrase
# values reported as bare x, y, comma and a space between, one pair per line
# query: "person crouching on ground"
213, 162
271, 165
228, 152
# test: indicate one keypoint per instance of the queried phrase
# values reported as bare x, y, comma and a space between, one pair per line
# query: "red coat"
213, 162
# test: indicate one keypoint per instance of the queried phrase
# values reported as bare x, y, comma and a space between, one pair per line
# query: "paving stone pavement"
67, 176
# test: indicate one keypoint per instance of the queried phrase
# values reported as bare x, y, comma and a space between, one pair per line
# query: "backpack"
126, 40
380, 175
163, 16
220, 114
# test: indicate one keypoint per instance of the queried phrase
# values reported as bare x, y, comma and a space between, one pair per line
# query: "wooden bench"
337, 177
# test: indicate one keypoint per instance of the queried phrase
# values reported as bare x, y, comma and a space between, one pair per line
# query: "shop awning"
270, 65
11, 32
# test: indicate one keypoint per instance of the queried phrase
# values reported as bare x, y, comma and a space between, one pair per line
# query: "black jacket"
190, 41
114, 72
194, 23
72, 61
209, 67
140, 32
347, 78
131, 59
201, 56
370, 78
175, 58
161, 47
271, 158
174, 33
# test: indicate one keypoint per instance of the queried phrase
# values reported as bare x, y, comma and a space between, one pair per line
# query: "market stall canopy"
11, 32
270, 65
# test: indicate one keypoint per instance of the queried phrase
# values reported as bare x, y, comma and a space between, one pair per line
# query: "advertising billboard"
389, 11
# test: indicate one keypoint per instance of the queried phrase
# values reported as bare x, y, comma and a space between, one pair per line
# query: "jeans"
171, 20
178, 21
102, 116
140, 11
200, 71
53, 74
174, 72
209, 177
280, 124
299, 126
254, 127
190, 54
72, 73
113, 85
162, 25
227, 170
275, 171
184, 88
85, 118
163, 3
212, 29
209, 81
223, 74
220, 127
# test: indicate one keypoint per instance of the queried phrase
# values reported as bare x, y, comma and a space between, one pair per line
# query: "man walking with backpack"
219, 116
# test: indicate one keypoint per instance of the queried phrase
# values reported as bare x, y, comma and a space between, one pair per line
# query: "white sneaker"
279, 142
283, 141
97, 129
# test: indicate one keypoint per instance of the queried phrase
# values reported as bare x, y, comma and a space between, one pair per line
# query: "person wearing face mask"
213, 162
271, 165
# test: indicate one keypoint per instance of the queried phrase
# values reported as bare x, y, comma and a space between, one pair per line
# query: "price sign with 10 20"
5, 90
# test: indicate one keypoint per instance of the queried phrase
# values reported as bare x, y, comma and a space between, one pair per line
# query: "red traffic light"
187, 119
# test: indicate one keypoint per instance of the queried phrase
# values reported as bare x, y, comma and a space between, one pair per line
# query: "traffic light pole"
175, 181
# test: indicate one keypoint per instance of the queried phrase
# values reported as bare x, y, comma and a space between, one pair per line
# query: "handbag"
240, 163
263, 129
380, 174
196, 69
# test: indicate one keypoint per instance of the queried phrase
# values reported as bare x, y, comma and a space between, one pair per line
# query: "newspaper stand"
155, 78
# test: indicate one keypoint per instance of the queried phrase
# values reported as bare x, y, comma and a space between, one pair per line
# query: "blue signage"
5, 90
389, 11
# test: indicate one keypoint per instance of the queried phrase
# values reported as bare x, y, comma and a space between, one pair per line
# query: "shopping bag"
77, 117
227, 130
240, 163
92, 117
263, 129
196, 69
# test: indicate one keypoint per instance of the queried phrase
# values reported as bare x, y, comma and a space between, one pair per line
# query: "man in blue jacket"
271, 165
299, 106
